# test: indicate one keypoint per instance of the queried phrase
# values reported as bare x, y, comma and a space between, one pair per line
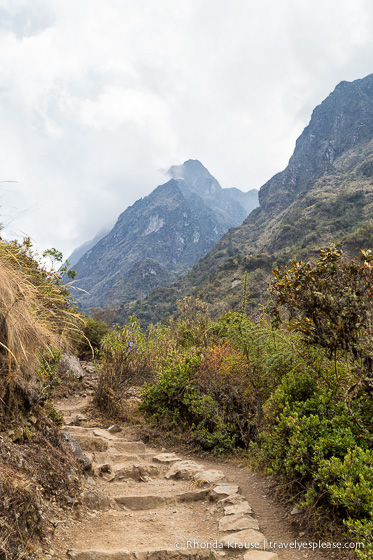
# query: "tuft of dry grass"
35, 316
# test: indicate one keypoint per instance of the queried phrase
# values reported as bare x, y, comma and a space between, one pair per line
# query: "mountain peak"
195, 177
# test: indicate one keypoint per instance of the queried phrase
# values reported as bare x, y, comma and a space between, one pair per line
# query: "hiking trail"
143, 503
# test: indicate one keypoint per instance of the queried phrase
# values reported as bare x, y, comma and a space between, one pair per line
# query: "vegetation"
292, 388
38, 473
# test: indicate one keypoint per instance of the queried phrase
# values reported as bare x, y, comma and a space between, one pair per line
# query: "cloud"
97, 96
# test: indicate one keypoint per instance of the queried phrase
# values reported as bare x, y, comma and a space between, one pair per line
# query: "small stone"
295, 511
114, 429
16, 435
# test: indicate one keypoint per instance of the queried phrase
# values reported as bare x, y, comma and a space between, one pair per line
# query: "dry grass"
38, 475
35, 316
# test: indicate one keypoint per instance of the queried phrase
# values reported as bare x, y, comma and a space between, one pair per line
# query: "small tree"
330, 301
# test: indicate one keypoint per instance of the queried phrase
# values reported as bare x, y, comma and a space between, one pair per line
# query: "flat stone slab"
248, 539
260, 555
224, 490
166, 458
237, 522
209, 477
242, 507
232, 499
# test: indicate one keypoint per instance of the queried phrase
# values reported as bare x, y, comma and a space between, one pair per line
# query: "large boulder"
70, 366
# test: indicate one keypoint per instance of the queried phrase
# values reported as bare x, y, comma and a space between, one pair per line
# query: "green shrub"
176, 398
89, 342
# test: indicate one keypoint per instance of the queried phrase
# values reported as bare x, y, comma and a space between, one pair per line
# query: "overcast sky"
98, 96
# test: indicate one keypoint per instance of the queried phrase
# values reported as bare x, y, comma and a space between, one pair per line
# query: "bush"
177, 398
89, 342
119, 363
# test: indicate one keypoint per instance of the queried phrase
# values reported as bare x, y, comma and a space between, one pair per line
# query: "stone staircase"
142, 504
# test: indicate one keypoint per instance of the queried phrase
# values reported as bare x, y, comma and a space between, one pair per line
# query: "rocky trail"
144, 503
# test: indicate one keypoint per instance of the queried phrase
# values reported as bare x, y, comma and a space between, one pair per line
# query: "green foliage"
47, 373
176, 398
119, 364
93, 332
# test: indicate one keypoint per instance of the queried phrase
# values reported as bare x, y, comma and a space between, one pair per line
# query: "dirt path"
145, 503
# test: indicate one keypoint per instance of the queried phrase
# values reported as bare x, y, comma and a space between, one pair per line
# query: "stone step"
115, 458
137, 447
92, 443
143, 502
138, 472
150, 554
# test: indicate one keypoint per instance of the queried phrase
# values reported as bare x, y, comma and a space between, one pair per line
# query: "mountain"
324, 195
77, 254
160, 237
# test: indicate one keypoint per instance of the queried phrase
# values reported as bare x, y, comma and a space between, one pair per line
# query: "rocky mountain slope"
325, 194
160, 237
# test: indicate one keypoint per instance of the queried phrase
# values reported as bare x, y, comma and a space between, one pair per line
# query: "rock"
224, 490
70, 365
232, 499
260, 555
79, 418
237, 522
114, 429
104, 468
295, 511
92, 443
136, 472
209, 477
95, 500
166, 458
16, 434
248, 538
184, 470
76, 449
242, 507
